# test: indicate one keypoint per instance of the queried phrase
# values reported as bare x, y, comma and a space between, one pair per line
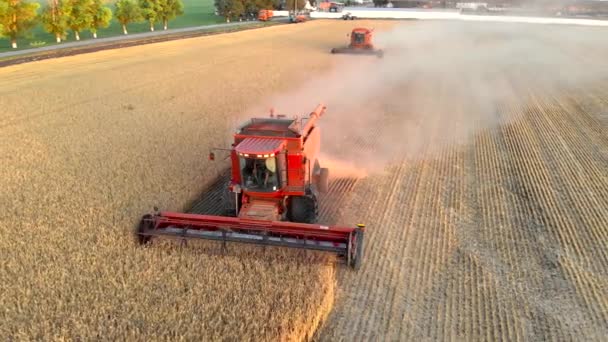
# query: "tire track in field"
587, 232
331, 204
477, 299
488, 242
502, 227
481, 243
536, 193
385, 303
386, 299
588, 105
468, 292
397, 223
401, 223
582, 176
593, 105
368, 200
432, 238
521, 141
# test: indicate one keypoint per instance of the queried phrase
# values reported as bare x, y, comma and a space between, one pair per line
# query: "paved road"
134, 36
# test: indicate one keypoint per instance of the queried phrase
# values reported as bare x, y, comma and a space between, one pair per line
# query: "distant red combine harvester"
360, 43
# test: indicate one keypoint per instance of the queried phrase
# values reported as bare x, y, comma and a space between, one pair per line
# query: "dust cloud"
438, 84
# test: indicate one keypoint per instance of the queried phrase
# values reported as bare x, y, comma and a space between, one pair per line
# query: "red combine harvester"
275, 183
360, 43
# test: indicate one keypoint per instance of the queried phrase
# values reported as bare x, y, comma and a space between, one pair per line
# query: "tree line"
239, 9
58, 17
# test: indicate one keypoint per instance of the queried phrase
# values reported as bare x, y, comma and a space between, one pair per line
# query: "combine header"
360, 43
272, 196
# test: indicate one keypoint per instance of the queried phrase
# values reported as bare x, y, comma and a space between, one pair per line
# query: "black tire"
356, 258
323, 180
141, 228
303, 209
333, 50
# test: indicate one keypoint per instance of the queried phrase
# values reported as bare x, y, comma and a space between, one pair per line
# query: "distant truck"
348, 16
265, 14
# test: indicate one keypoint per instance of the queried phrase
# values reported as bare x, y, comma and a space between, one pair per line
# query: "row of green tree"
58, 17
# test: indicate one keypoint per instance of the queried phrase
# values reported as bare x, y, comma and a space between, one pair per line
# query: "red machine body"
289, 149
272, 196
360, 43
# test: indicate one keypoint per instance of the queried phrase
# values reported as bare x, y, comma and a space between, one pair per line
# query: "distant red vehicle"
360, 43
265, 14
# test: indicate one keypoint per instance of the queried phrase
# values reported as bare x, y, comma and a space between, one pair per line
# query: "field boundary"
32, 55
435, 14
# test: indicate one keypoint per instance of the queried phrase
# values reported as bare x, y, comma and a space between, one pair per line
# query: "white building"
471, 5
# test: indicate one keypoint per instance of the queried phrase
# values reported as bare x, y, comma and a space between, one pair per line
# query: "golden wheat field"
90, 143
480, 226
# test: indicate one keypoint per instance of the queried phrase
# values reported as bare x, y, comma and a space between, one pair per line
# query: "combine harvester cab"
275, 182
360, 43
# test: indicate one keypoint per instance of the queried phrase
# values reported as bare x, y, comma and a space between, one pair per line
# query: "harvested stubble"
89, 143
499, 236
501, 233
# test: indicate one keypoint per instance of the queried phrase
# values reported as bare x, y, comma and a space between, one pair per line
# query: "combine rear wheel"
144, 225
